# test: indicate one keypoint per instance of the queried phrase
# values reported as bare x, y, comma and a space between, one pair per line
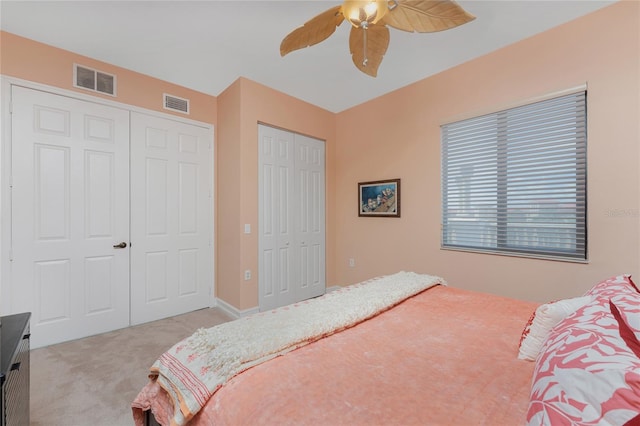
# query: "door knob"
121, 245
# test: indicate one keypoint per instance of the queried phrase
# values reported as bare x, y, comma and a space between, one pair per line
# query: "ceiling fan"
369, 37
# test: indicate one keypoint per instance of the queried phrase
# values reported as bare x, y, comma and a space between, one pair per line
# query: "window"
514, 181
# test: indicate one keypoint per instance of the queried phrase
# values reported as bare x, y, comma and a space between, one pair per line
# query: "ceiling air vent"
175, 103
94, 80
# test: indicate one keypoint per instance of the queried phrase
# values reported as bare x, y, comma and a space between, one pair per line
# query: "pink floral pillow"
586, 373
613, 286
629, 309
629, 335
626, 332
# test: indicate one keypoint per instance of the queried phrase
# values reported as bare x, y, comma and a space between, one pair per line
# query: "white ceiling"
206, 45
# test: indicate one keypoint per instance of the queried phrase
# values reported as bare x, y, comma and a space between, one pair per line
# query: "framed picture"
379, 198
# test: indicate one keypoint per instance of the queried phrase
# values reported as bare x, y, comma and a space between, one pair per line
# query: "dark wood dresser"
14, 369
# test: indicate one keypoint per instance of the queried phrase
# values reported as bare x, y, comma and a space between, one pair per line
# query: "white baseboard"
234, 312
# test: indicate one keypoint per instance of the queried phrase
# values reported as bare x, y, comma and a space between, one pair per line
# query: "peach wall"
258, 103
398, 136
229, 191
33, 61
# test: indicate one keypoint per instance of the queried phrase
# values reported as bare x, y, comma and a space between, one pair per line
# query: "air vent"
175, 103
94, 80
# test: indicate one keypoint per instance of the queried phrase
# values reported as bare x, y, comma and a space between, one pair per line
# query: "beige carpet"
92, 381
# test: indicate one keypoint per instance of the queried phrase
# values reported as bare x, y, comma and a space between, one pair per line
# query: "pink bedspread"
444, 357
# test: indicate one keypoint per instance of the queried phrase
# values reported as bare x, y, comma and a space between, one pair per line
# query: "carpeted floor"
92, 381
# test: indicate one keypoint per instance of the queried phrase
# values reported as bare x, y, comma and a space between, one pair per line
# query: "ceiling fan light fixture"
362, 13
370, 19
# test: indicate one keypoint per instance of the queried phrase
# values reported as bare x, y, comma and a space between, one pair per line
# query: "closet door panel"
171, 217
276, 267
69, 207
310, 227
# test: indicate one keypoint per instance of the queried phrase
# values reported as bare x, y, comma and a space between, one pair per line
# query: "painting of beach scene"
379, 198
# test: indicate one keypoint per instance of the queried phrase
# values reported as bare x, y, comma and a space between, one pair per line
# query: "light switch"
247, 228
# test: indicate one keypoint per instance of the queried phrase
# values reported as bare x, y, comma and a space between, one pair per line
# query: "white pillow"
543, 320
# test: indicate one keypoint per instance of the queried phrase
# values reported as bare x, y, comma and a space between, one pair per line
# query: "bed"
434, 355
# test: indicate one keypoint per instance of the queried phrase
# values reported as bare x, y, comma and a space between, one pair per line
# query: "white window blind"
514, 181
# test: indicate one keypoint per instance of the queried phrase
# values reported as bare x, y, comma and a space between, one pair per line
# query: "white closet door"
310, 223
291, 200
171, 217
276, 262
70, 207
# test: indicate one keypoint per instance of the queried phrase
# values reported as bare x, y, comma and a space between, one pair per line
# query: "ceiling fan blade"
425, 16
377, 41
313, 31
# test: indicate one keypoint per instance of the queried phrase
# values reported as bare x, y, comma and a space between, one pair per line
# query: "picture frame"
379, 198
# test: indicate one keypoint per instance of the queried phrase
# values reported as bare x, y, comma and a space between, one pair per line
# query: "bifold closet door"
276, 240
171, 217
291, 203
69, 215
310, 215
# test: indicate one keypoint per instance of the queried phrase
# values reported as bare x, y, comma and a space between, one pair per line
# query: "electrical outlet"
352, 262
247, 275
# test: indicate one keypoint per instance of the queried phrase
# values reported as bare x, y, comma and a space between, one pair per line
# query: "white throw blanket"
196, 367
